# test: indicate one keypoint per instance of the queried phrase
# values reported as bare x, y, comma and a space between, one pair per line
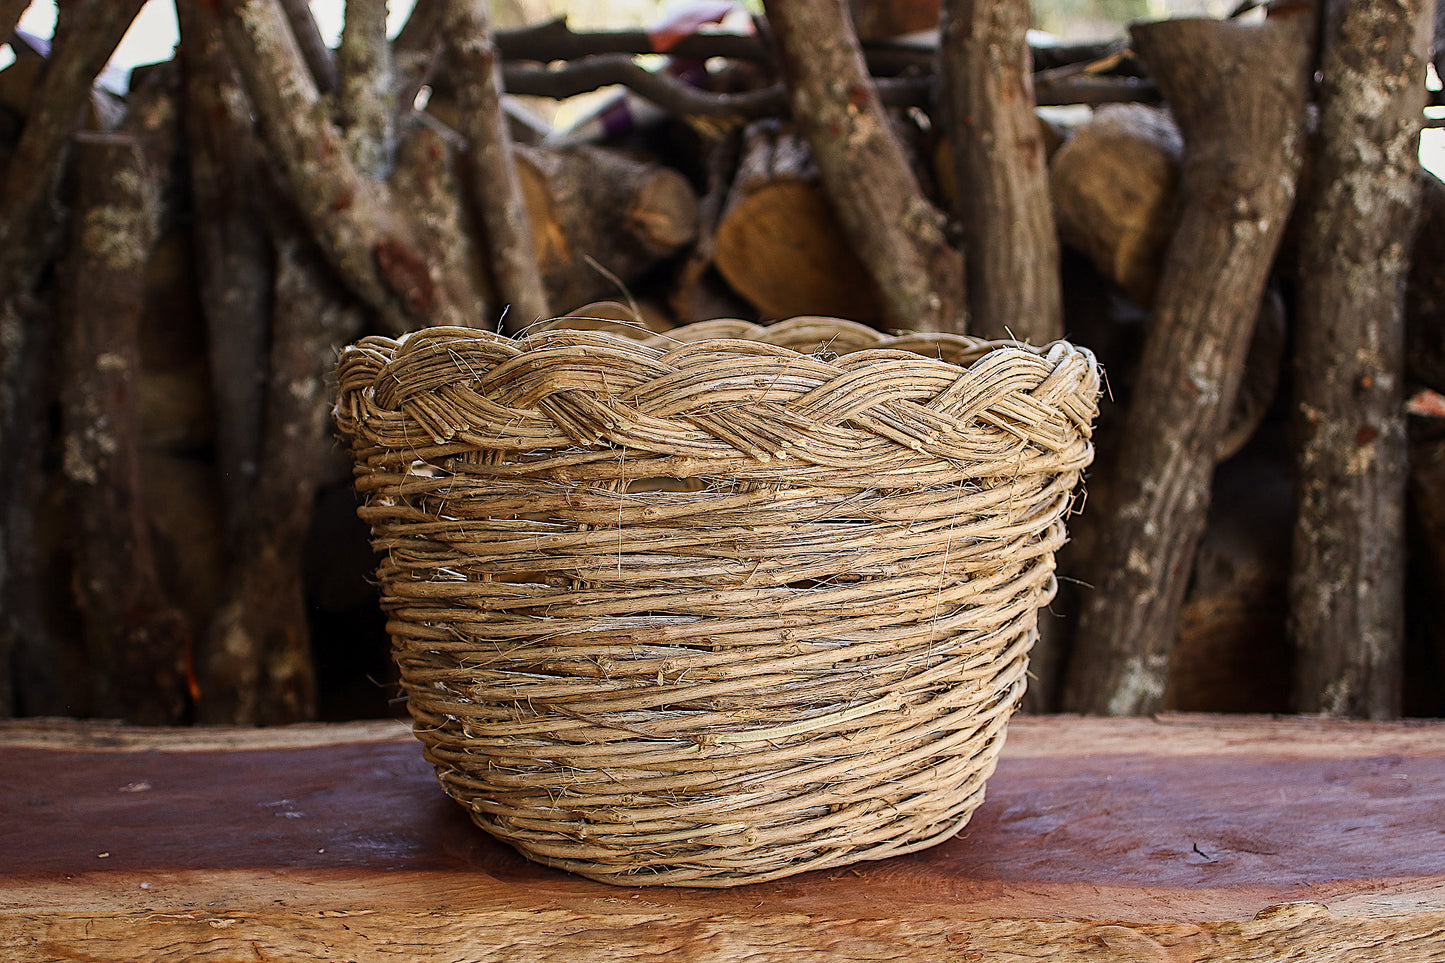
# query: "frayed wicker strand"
721, 605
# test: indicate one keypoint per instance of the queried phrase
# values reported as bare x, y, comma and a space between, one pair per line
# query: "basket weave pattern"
722, 605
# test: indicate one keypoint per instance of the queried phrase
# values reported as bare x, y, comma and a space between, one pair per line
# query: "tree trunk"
1242, 155
897, 233
1012, 249
258, 666
426, 181
134, 637
1347, 578
233, 253
365, 99
29, 232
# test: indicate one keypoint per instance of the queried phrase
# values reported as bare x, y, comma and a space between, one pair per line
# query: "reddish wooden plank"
1165, 829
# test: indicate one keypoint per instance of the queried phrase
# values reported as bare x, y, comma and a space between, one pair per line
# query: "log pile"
179, 265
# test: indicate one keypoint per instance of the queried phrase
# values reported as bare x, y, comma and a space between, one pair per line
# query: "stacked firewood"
178, 267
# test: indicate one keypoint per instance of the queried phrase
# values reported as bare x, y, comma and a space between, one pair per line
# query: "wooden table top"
1177, 838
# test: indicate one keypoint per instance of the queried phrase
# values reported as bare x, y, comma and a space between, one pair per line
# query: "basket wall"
719, 606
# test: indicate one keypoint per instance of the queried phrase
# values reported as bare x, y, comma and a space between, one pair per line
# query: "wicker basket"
721, 605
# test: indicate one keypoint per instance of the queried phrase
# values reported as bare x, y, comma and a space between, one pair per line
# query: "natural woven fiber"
721, 605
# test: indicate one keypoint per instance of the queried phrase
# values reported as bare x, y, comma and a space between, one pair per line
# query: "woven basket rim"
850, 337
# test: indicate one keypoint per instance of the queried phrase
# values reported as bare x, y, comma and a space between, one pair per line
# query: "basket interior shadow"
720, 605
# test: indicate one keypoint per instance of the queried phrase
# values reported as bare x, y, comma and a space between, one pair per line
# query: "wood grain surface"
1177, 838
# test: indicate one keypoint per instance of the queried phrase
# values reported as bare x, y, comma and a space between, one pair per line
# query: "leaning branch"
415, 51
35, 165
897, 233
1243, 148
313, 49
489, 166
998, 152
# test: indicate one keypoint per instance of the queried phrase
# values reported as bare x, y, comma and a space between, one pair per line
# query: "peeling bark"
1011, 245
897, 233
1347, 577
1243, 148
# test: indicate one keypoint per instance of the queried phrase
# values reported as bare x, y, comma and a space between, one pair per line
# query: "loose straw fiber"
722, 605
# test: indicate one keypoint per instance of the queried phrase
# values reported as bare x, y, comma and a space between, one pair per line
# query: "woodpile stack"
1256, 264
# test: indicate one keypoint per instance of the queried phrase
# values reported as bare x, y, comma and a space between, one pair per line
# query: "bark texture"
1347, 578
363, 233
30, 228
1012, 249
319, 61
257, 666
364, 102
1243, 147
896, 231
136, 640
488, 168
233, 253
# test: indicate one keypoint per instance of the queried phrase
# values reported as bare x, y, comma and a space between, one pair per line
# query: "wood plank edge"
1298, 930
